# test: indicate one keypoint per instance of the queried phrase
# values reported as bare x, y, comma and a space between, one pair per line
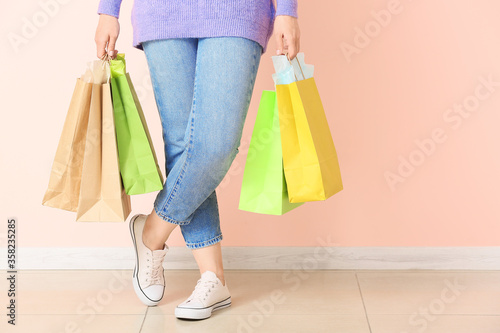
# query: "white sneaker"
209, 295
148, 278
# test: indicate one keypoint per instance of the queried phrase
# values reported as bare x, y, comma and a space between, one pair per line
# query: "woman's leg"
156, 231
226, 68
172, 69
172, 64
209, 258
225, 75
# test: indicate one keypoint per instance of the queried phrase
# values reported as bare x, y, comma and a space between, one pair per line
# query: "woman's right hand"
106, 35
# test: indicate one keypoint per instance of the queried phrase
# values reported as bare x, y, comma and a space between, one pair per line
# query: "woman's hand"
287, 35
106, 35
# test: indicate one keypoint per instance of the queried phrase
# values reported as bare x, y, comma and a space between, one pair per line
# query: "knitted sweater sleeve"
286, 7
109, 7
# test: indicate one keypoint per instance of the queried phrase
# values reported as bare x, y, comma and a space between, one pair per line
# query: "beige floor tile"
441, 292
275, 292
434, 324
74, 323
255, 323
77, 292
313, 301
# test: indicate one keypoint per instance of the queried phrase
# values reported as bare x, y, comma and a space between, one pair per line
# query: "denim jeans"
202, 88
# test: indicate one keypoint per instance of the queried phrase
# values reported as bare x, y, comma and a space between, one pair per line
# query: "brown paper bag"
102, 195
64, 183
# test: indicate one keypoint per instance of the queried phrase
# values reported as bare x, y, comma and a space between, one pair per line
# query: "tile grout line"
363, 301
144, 319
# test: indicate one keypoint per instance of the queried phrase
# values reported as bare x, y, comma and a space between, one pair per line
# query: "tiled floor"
340, 301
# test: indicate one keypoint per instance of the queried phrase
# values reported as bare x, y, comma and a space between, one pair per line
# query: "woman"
203, 57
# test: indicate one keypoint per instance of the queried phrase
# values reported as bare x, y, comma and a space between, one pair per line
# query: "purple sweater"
159, 19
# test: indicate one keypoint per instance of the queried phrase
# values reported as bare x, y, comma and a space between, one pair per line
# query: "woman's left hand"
287, 35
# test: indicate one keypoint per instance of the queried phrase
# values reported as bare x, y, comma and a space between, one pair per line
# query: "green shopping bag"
263, 189
138, 163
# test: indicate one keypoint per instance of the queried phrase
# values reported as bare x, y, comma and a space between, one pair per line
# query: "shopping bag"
264, 189
138, 163
102, 196
310, 159
63, 190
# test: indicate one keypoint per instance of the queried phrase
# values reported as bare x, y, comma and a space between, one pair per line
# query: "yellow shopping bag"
310, 160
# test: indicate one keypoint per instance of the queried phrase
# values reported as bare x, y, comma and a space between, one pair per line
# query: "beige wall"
398, 87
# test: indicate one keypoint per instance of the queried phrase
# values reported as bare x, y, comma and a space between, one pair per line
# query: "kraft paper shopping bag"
65, 177
102, 196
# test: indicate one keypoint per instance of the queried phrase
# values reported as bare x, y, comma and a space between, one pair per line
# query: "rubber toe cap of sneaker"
154, 292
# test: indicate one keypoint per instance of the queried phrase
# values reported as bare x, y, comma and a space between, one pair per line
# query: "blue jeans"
202, 88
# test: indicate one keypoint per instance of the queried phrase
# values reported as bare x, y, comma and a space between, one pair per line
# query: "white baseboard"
456, 258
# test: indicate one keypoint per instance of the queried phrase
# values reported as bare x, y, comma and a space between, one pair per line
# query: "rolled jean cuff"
199, 245
169, 219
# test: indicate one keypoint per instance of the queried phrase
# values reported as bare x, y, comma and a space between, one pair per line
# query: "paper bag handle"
292, 66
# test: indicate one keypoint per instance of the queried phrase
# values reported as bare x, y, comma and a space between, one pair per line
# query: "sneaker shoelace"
155, 267
202, 289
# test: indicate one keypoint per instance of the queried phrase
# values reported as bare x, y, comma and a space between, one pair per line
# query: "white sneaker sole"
144, 299
203, 313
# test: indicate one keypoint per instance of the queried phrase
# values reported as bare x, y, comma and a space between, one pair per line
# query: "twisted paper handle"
105, 63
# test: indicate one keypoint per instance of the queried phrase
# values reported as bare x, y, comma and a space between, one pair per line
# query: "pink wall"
402, 86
